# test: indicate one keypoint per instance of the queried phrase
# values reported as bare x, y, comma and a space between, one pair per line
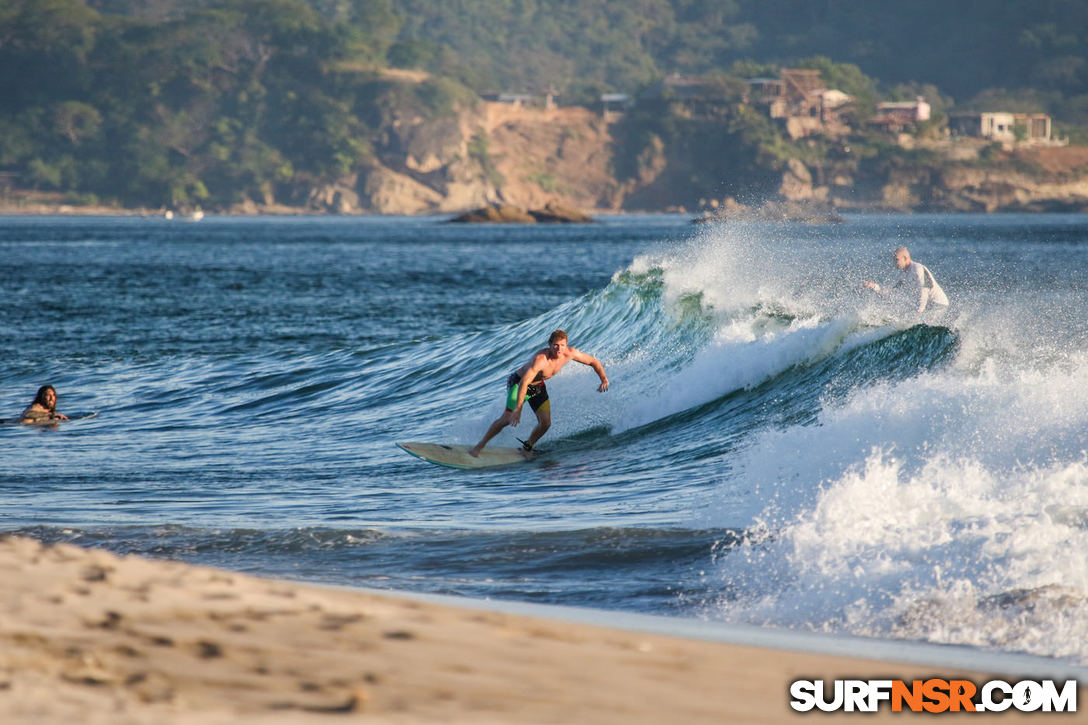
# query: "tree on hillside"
223, 101
44, 45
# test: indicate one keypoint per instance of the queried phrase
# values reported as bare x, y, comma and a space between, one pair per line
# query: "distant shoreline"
39, 209
70, 210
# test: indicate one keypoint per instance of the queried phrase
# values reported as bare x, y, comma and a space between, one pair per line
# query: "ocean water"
778, 447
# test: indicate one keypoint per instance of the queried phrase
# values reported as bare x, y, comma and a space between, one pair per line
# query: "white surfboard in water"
456, 456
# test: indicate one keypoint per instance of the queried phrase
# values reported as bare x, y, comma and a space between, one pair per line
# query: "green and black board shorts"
537, 396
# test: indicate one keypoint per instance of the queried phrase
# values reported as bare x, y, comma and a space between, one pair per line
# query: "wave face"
777, 447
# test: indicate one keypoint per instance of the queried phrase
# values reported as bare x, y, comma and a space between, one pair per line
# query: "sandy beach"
91, 637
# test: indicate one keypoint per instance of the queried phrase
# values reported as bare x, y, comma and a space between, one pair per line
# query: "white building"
1003, 127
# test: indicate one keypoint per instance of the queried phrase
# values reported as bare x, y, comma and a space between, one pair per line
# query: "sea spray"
949, 508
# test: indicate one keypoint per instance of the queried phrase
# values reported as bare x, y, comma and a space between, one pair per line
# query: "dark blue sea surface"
779, 446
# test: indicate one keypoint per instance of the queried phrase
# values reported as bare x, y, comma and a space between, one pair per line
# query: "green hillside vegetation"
215, 102
236, 99
962, 46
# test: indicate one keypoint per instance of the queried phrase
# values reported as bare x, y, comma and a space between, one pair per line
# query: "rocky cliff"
958, 176
498, 154
494, 153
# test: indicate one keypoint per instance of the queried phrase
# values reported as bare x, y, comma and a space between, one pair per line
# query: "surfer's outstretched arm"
878, 289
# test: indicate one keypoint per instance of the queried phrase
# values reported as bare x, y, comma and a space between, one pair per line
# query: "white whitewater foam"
952, 508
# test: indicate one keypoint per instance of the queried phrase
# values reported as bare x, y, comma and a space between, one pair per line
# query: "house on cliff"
523, 100
896, 116
801, 100
1003, 127
613, 106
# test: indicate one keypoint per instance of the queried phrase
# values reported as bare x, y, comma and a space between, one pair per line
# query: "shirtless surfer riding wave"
528, 384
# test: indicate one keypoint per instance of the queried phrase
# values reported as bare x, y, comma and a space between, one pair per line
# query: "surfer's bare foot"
474, 451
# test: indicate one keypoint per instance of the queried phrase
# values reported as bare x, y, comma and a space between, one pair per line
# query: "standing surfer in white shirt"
915, 279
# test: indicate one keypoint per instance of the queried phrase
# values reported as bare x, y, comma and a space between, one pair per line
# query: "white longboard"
456, 456
71, 419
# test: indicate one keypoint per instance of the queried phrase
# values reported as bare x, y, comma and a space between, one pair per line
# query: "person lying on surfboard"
44, 407
528, 384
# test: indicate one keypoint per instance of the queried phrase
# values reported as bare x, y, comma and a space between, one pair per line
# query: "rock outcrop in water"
552, 213
496, 214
